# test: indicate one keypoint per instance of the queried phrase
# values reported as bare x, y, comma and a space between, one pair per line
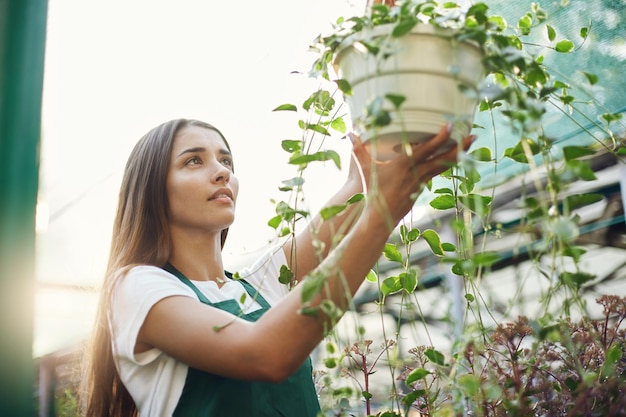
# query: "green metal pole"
22, 46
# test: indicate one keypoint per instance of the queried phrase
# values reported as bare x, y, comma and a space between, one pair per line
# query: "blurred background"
114, 70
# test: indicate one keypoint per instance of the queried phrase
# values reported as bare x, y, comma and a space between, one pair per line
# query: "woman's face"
201, 187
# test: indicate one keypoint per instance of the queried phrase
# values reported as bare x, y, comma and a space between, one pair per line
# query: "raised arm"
273, 347
310, 246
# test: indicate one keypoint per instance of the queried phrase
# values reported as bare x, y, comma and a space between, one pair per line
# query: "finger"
439, 163
354, 138
425, 150
358, 149
467, 141
451, 154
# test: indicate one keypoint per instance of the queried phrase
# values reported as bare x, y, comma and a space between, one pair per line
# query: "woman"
176, 334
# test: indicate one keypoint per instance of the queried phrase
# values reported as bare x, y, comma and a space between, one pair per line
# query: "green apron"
209, 395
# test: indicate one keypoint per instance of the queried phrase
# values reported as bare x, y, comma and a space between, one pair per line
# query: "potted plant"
405, 76
406, 69
515, 90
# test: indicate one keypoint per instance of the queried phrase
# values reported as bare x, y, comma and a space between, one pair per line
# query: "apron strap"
252, 292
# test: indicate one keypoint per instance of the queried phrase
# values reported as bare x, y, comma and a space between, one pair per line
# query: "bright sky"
115, 69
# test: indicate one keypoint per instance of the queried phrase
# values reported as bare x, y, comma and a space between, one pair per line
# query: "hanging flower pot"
404, 89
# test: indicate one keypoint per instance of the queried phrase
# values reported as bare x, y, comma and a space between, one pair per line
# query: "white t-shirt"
154, 379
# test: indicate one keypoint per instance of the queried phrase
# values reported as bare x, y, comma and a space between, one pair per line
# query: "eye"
194, 160
227, 161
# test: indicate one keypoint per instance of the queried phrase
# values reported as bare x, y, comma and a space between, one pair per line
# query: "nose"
221, 174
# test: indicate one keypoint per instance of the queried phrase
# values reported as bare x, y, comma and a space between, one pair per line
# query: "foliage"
528, 368
548, 364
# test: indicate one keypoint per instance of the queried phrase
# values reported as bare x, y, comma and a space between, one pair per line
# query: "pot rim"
421, 28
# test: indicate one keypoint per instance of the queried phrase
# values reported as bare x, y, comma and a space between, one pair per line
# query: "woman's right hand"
394, 185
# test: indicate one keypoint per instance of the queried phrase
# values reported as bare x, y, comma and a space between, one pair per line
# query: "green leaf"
286, 107
564, 46
392, 253
477, 203
287, 212
536, 76
338, 124
525, 23
435, 356
395, 99
499, 21
331, 211
551, 332
391, 285
551, 33
582, 169
518, 154
574, 252
316, 127
470, 384
448, 247
377, 116
371, 276
575, 201
291, 145
572, 383
411, 397
344, 86
243, 297
416, 375
613, 356
372, 48
408, 280
275, 221
560, 84
300, 159
462, 267
563, 229
433, 240
592, 78
481, 154
575, 280
443, 202
292, 183
408, 235
312, 285
286, 275
403, 27
584, 32
330, 309
389, 414
355, 198
611, 117
320, 101
575, 152
330, 363
540, 14
486, 258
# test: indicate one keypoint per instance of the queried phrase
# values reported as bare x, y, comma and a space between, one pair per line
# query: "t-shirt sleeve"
264, 274
135, 294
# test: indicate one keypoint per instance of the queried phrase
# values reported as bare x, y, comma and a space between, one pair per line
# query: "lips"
222, 193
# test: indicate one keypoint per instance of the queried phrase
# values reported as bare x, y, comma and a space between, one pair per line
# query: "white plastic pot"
437, 75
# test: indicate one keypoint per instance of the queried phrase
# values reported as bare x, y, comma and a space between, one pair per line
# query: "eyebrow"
222, 151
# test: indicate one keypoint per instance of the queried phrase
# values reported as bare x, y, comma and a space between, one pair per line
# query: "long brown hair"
141, 236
